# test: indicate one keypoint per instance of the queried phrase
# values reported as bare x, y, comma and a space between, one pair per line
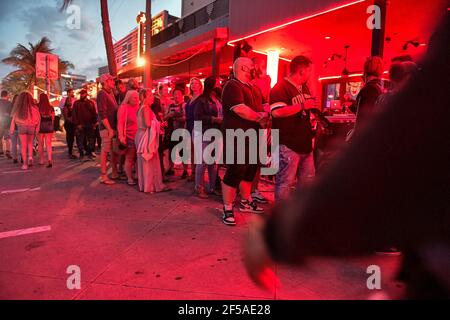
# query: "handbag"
46, 125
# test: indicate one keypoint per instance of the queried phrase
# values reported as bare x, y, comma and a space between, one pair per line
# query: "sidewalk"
135, 246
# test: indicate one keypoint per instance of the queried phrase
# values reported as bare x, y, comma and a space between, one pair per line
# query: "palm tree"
24, 59
107, 35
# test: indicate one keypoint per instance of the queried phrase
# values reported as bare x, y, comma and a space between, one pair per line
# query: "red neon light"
297, 20
262, 52
349, 76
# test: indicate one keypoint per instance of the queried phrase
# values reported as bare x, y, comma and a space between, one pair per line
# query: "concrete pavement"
129, 245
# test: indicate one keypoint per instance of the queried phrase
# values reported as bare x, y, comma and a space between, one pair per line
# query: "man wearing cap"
85, 118
107, 115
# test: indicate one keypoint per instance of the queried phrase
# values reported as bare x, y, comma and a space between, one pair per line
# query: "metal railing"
205, 15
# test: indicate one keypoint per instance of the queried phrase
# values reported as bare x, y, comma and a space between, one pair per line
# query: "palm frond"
66, 4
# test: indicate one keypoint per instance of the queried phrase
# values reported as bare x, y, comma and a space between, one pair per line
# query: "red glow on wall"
297, 20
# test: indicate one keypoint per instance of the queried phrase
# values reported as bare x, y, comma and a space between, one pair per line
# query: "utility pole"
148, 45
47, 75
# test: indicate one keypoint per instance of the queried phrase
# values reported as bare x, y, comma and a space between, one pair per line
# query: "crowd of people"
132, 128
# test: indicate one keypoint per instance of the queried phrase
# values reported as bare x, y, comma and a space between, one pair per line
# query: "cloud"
90, 68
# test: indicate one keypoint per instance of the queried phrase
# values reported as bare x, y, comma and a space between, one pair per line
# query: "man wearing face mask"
291, 103
241, 111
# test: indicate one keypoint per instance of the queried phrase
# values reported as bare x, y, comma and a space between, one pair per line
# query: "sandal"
131, 183
165, 189
106, 181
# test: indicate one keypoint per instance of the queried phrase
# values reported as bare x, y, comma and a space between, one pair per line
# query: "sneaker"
228, 217
72, 157
30, 162
50, 164
252, 207
258, 197
24, 167
8, 155
199, 192
2, 153
184, 175
170, 172
388, 252
106, 180
15, 161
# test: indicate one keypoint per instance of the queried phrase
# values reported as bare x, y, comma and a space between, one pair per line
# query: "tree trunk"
148, 45
107, 35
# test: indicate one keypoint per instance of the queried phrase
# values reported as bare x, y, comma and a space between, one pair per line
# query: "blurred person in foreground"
396, 202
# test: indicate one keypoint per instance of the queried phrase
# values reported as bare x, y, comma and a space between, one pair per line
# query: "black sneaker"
228, 217
258, 197
245, 206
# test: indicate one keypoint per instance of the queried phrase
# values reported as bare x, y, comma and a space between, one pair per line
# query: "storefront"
338, 36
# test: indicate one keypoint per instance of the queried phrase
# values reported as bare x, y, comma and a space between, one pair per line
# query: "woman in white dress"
147, 142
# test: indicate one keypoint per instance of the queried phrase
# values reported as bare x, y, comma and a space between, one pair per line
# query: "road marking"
12, 172
20, 190
22, 232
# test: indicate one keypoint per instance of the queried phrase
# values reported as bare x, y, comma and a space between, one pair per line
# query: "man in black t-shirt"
241, 111
290, 103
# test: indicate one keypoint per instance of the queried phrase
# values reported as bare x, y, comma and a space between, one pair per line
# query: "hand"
111, 133
257, 260
310, 104
264, 119
217, 120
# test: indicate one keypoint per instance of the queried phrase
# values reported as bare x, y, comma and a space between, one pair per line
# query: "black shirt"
236, 93
295, 131
84, 113
366, 100
107, 108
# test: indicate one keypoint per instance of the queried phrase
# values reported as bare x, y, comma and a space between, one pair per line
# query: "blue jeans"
292, 165
200, 173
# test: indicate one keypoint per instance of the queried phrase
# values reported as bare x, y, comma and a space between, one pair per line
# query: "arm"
247, 113
121, 123
148, 117
13, 124
281, 110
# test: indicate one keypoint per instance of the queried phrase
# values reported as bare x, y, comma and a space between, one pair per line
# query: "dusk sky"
22, 21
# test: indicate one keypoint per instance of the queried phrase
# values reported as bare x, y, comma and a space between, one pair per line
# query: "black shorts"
239, 172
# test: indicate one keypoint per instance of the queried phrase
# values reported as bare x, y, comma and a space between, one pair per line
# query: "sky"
23, 21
